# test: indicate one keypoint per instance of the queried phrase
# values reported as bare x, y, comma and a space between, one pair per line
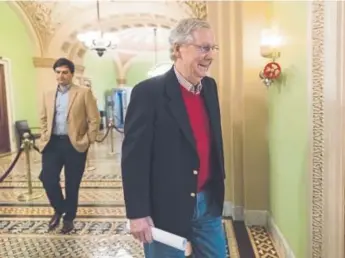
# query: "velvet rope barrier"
105, 136
14, 162
30, 195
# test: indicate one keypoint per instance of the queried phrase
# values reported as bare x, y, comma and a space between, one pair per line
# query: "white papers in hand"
168, 238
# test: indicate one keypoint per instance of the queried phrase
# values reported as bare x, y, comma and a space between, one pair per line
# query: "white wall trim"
333, 177
255, 217
10, 100
282, 246
236, 212
309, 176
227, 209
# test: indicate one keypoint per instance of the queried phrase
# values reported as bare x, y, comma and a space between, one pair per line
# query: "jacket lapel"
177, 106
71, 97
50, 103
51, 98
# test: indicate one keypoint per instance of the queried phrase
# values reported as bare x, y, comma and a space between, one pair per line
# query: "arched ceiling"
133, 32
58, 22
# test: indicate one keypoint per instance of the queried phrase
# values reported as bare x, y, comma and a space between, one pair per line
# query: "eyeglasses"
206, 49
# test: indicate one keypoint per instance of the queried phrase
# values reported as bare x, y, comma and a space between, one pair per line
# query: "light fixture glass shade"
159, 69
93, 39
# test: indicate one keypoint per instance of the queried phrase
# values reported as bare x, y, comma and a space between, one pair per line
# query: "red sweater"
199, 122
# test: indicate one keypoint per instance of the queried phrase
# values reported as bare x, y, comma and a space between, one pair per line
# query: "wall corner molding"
255, 217
282, 246
235, 212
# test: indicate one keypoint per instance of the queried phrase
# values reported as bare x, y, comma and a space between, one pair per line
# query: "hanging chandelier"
98, 40
158, 68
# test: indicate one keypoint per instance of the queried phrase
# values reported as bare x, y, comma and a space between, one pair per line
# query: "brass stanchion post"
111, 126
30, 195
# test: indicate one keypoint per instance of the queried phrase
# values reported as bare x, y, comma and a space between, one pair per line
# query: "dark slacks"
60, 153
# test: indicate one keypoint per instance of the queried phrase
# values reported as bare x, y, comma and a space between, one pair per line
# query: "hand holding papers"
168, 238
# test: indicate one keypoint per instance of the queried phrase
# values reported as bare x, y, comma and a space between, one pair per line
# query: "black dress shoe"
55, 221
68, 226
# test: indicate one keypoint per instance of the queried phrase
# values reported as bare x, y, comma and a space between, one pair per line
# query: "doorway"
5, 143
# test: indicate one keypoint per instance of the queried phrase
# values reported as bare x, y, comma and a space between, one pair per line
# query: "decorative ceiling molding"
32, 33
118, 23
48, 18
39, 15
198, 8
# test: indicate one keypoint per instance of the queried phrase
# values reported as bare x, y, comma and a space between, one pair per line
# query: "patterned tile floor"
100, 228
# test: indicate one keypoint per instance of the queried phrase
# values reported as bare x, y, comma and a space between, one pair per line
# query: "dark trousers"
60, 153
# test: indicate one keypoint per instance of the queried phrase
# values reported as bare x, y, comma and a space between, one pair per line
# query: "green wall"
288, 129
138, 71
15, 44
102, 72
142, 64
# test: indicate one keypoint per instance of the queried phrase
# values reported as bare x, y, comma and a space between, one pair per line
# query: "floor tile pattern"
100, 227
86, 196
52, 247
262, 242
90, 239
46, 211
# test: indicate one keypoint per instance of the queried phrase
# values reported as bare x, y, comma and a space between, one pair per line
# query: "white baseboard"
279, 240
255, 217
236, 212
227, 209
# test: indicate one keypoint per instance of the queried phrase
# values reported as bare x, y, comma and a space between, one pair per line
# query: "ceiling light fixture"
98, 40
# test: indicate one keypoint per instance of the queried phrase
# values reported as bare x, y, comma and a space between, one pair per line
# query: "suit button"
195, 172
192, 194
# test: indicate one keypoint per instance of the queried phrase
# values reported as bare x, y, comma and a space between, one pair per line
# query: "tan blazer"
82, 118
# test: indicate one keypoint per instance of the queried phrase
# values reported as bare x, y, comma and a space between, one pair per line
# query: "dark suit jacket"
159, 154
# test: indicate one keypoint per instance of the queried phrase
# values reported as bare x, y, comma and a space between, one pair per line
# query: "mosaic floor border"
103, 196
53, 247
88, 177
231, 238
84, 184
83, 227
47, 211
262, 243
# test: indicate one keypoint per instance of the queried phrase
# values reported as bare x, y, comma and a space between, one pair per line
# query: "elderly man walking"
172, 153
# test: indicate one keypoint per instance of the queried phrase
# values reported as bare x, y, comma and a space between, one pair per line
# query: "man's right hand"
141, 229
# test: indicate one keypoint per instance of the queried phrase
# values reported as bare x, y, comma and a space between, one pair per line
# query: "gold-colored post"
27, 150
111, 137
27, 144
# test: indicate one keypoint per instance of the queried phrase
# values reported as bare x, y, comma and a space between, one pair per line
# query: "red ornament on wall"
272, 70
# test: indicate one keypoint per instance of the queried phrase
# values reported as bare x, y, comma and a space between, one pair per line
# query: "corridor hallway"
100, 226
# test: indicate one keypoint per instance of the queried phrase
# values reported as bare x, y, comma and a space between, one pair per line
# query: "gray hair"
183, 31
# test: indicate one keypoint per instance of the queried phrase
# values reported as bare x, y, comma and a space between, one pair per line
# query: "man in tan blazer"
69, 124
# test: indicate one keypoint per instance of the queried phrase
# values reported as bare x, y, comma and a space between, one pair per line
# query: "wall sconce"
270, 49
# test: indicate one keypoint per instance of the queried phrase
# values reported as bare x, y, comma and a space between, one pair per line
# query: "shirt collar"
196, 89
64, 89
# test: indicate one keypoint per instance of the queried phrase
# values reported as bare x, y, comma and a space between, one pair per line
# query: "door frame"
327, 136
10, 100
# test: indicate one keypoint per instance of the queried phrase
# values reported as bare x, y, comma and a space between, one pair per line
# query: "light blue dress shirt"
61, 109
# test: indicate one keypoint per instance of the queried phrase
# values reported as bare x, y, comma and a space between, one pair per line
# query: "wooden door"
5, 145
